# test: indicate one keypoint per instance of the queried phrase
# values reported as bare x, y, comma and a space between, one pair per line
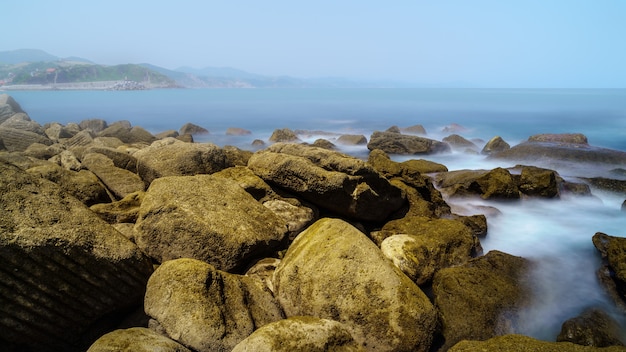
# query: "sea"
554, 234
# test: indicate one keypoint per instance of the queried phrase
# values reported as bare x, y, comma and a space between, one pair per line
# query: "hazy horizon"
483, 43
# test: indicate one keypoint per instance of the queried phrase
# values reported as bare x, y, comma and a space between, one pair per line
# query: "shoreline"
95, 85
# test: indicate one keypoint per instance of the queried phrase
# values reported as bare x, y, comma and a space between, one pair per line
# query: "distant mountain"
223, 72
25, 55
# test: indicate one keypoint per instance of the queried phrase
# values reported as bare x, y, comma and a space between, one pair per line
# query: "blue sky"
477, 43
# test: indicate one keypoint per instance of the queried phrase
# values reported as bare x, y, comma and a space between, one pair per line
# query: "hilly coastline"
30, 69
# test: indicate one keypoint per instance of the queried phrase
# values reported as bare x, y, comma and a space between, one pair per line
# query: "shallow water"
555, 234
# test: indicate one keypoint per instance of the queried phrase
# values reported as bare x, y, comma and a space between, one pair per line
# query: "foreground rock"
333, 271
136, 340
519, 343
300, 334
396, 143
592, 328
206, 309
120, 182
421, 246
210, 218
482, 298
67, 276
340, 183
613, 271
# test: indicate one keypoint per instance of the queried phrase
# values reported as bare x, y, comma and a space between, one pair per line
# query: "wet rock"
67, 276
495, 145
564, 138
125, 210
284, 135
237, 131
606, 184
331, 180
482, 298
495, 184
84, 185
333, 271
352, 139
613, 272
624, 206
421, 246
324, 143
300, 334
520, 343
136, 339
207, 309
396, 143
406, 169
190, 128
207, 218
415, 129
552, 154
592, 328
258, 143
166, 134
171, 157
538, 182
120, 182
459, 143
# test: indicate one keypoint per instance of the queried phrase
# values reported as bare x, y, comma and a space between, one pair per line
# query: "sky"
468, 43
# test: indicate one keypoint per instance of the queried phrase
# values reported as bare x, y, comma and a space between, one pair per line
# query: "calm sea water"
554, 234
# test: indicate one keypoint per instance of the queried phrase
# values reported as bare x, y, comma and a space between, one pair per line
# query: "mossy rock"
520, 343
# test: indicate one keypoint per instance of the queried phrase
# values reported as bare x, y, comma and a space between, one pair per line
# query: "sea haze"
555, 234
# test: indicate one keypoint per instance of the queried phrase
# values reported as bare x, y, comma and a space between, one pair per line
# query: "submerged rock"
192, 129
613, 271
397, 143
352, 139
592, 328
495, 145
333, 271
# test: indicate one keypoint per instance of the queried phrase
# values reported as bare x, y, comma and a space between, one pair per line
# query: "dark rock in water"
459, 143
495, 145
624, 206
606, 184
210, 218
561, 138
324, 143
333, 271
352, 139
393, 129
67, 276
454, 128
166, 134
284, 135
329, 179
300, 334
520, 343
94, 125
495, 184
416, 129
549, 153
258, 143
171, 157
136, 339
538, 182
613, 272
592, 328
190, 128
421, 246
208, 309
397, 143
481, 299
237, 131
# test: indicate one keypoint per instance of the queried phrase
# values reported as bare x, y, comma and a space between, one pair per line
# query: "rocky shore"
112, 238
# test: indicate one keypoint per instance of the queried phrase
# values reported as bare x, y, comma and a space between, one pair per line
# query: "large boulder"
120, 159
67, 276
520, 343
300, 334
127, 134
564, 138
539, 182
136, 340
94, 125
422, 246
171, 157
340, 183
482, 298
352, 139
16, 140
207, 309
207, 218
333, 271
120, 182
612, 273
593, 327
8, 107
495, 145
459, 143
550, 154
21, 121
284, 135
397, 143
192, 129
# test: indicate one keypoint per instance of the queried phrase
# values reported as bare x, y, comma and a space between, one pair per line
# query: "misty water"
554, 234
